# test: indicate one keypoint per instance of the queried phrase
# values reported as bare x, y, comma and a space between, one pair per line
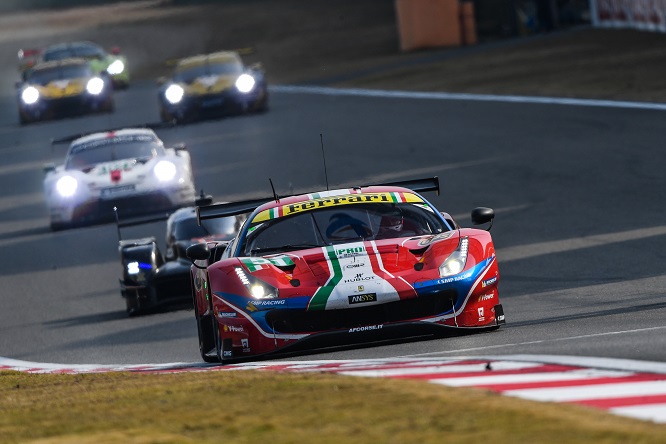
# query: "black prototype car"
150, 279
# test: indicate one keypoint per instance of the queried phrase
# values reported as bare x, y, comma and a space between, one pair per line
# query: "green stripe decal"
320, 298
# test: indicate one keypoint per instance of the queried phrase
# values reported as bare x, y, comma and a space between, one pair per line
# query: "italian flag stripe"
320, 298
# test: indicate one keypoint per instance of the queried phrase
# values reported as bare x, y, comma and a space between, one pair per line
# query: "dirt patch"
355, 43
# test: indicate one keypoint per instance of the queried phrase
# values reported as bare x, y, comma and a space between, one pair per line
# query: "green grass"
263, 407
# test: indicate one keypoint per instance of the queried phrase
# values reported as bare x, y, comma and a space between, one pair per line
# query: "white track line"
359, 92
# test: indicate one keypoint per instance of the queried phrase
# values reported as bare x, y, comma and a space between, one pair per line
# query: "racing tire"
207, 338
165, 117
133, 306
109, 107
58, 226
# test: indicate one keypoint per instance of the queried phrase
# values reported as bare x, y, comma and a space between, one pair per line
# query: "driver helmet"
392, 222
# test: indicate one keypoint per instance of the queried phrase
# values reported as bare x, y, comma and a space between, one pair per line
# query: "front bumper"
96, 209
66, 106
230, 101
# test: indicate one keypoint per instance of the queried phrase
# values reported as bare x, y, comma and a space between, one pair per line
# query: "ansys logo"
360, 298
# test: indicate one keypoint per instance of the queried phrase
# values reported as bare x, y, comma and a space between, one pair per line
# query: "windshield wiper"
287, 247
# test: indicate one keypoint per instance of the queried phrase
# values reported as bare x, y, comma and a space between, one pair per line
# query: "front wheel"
208, 341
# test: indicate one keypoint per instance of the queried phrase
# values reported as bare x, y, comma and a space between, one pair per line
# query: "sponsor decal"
227, 354
349, 252
461, 277
366, 328
324, 202
360, 298
207, 81
111, 140
490, 281
485, 297
355, 265
245, 343
358, 278
234, 329
258, 263
268, 303
481, 314
360, 288
224, 314
438, 237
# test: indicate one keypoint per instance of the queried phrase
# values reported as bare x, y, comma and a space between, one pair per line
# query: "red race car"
341, 267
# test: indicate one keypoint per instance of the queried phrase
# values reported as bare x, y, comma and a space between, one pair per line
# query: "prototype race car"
129, 169
63, 88
151, 279
110, 63
343, 266
212, 84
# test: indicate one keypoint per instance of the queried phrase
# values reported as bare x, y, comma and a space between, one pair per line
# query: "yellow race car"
212, 84
62, 88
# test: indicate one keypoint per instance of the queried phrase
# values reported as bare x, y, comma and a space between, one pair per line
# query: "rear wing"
247, 206
72, 137
240, 51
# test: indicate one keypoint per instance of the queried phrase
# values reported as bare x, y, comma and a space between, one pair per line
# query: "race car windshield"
92, 154
338, 225
65, 72
83, 51
223, 228
217, 69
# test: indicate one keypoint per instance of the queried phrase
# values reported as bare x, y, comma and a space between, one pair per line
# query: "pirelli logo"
360, 298
344, 199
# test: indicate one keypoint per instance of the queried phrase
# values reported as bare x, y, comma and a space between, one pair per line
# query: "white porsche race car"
129, 169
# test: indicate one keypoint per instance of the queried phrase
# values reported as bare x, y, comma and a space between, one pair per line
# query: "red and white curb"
635, 389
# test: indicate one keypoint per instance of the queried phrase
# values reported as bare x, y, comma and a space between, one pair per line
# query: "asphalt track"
578, 190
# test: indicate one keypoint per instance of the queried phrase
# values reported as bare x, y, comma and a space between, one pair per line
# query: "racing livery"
342, 266
150, 279
112, 63
62, 88
212, 84
128, 169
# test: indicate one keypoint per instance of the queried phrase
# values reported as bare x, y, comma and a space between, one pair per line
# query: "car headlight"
174, 94
165, 170
116, 67
245, 83
258, 289
66, 186
455, 263
95, 86
30, 95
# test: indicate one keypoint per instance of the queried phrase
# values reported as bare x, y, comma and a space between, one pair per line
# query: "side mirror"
482, 215
180, 147
198, 252
161, 80
49, 168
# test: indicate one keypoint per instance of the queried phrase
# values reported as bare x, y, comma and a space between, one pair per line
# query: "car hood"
341, 276
211, 84
62, 88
